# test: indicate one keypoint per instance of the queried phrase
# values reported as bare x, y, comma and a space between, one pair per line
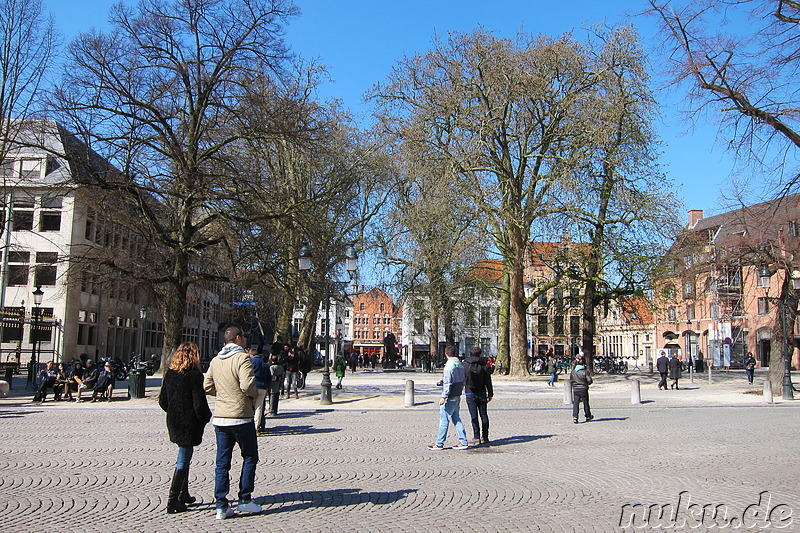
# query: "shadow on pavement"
338, 399
517, 439
295, 501
608, 419
295, 430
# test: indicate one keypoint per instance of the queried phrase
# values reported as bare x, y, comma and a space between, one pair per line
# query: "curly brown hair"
186, 356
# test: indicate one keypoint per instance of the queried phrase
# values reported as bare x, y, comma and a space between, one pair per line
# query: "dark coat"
662, 364
183, 398
261, 372
581, 379
478, 377
675, 368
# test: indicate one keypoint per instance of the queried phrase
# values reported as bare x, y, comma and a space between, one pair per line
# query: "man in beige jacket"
230, 378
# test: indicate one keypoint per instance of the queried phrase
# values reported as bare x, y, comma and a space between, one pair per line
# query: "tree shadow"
277, 431
297, 501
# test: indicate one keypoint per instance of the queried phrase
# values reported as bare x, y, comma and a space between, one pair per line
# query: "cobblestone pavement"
362, 465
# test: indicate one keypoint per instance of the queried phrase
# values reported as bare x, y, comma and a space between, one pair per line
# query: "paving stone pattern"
92, 467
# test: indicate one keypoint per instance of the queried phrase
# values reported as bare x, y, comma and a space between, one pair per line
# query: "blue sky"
360, 40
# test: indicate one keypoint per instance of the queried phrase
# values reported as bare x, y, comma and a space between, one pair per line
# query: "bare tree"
746, 71
161, 96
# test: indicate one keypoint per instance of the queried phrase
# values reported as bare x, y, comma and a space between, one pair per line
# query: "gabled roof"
636, 310
486, 270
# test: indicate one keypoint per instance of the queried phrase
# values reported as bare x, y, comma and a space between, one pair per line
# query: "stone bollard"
409, 393
767, 391
636, 392
567, 391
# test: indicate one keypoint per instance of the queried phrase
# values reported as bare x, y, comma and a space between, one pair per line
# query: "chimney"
695, 216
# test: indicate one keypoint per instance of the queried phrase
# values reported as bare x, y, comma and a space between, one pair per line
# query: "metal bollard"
409, 402
567, 391
636, 392
767, 391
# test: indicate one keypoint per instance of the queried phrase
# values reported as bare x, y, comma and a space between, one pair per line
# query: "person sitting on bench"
89, 380
105, 383
47, 379
61, 387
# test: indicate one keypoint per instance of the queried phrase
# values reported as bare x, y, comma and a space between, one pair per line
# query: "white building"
49, 224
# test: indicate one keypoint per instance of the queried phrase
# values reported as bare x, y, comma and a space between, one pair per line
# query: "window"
688, 288
89, 231
361, 306
50, 217
792, 228
543, 300
419, 326
558, 297
763, 306
45, 275
558, 325
541, 324
690, 312
575, 326
17, 275
383, 308
714, 310
22, 220
486, 316
671, 315
574, 298
31, 169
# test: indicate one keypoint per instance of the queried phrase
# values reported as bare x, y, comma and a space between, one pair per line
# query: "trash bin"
9, 372
136, 382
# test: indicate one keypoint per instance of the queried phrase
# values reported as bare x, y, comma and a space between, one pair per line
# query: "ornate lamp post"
38, 294
326, 286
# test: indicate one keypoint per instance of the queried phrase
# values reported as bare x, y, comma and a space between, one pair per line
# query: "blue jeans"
245, 436
184, 457
553, 377
448, 412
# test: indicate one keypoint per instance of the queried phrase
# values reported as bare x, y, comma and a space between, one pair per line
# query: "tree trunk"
504, 323
283, 326
784, 338
434, 337
518, 331
174, 310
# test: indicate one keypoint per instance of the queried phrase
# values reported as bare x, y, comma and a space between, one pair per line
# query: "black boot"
485, 438
174, 504
185, 497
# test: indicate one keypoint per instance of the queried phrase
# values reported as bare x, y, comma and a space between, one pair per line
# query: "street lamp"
326, 286
785, 301
142, 318
37, 301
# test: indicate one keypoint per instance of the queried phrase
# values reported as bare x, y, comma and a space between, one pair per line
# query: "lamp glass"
37, 295
304, 258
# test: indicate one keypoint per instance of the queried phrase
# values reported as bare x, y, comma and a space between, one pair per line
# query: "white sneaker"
81, 386
249, 507
222, 514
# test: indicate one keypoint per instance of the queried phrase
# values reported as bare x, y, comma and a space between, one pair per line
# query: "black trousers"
663, 382
578, 397
477, 409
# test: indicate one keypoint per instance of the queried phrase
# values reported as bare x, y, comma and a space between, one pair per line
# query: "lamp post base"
326, 397
788, 389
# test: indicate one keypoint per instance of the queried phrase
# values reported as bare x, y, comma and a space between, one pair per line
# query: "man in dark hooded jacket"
581, 379
478, 393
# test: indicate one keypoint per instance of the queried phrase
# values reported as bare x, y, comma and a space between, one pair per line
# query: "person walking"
552, 369
580, 389
263, 382
662, 365
452, 387
339, 367
230, 378
276, 371
750, 367
478, 393
292, 368
183, 399
675, 369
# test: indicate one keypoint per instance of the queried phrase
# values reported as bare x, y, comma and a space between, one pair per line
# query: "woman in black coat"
183, 398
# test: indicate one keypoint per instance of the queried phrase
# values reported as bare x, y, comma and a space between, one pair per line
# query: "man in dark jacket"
478, 393
580, 389
662, 365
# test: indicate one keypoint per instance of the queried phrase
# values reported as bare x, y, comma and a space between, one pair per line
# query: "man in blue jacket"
452, 387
